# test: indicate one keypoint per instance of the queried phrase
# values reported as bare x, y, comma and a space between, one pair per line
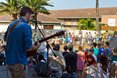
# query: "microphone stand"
47, 45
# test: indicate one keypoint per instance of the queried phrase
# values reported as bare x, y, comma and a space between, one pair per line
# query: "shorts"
16, 70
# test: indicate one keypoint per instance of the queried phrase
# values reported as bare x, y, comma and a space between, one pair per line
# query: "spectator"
91, 69
92, 53
65, 50
57, 63
71, 62
107, 51
80, 61
103, 66
95, 49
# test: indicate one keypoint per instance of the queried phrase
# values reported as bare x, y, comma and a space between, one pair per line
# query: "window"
48, 26
111, 21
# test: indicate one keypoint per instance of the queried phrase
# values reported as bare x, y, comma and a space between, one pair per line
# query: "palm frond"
3, 4
44, 10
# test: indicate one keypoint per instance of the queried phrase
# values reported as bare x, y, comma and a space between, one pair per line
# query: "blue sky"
76, 4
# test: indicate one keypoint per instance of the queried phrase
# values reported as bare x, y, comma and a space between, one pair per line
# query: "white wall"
57, 27
41, 26
4, 26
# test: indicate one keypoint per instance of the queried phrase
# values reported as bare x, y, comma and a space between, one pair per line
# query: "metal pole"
97, 17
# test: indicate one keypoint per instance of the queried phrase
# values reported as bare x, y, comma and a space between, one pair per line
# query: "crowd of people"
72, 60
79, 62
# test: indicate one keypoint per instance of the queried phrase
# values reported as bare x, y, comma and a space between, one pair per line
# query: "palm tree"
10, 6
36, 6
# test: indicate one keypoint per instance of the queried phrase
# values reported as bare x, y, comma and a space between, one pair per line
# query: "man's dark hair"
70, 48
90, 62
99, 45
94, 44
104, 61
107, 43
25, 10
56, 47
65, 47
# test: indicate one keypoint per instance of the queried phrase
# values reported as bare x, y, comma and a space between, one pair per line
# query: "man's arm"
28, 39
34, 47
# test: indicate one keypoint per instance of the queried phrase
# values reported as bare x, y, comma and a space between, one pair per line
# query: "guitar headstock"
59, 33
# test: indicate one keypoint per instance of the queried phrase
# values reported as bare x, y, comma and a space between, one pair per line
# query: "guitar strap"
12, 27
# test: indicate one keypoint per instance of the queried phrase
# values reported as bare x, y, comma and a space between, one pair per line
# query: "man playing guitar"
18, 39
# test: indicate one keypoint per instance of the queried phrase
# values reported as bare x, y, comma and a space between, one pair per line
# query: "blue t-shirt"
18, 41
100, 51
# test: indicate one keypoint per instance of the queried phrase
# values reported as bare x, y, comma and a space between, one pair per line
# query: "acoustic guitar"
31, 53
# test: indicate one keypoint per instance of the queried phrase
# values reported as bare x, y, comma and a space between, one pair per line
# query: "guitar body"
31, 53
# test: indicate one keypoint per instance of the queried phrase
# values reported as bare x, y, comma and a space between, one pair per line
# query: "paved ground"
4, 73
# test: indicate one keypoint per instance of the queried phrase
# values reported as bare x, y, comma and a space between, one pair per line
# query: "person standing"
96, 51
65, 50
80, 61
18, 42
107, 50
56, 63
103, 66
91, 69
71, 62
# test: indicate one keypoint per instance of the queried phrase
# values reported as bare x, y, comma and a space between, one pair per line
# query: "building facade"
109, 22
68, 19
71, 17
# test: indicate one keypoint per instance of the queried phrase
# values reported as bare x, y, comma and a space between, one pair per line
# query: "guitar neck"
49, 37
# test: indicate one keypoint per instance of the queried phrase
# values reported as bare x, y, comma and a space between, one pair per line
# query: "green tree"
13, 6
10, 6
82, 24
86, 24
90, 24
